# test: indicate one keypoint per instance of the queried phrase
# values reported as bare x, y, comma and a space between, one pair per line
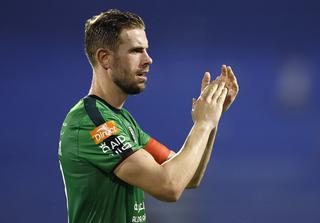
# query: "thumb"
193, 103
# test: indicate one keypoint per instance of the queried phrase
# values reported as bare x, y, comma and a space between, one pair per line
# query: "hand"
208, 107
228, 76
231, 83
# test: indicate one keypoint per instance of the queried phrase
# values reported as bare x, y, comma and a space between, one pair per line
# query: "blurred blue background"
265, 166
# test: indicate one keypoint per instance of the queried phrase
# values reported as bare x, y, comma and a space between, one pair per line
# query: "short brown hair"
103, 30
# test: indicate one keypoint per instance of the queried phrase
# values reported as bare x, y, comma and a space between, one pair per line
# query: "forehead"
133, 38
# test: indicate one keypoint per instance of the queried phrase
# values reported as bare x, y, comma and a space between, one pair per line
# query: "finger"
220, 78
222, 96
209, 91
205, 80
233, 79
214, 87
218, 91
231, 74
224, 71
193, 103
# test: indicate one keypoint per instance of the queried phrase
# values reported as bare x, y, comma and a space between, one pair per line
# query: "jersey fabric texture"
94, 139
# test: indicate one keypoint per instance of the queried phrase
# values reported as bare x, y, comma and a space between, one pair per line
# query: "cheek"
133, 61
127, 67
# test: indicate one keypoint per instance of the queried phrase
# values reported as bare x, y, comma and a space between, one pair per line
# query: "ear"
103, 57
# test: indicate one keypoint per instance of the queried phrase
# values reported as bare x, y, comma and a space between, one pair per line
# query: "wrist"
205, 125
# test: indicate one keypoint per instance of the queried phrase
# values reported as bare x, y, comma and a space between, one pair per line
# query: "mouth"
142, 75
142, 72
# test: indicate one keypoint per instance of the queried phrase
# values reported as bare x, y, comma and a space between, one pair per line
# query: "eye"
137, 50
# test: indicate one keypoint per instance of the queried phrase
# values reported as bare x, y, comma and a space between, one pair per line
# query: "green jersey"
94, 139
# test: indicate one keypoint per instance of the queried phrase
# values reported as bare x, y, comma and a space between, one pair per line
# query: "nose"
147, 59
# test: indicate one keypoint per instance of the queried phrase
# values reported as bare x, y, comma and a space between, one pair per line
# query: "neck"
103, 86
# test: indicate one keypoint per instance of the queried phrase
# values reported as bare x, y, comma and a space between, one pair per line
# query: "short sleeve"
106, 145
142, 137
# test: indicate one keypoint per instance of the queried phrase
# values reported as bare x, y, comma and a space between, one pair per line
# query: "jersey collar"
116, 110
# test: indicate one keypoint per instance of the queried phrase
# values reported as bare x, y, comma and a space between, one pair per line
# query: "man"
106, 160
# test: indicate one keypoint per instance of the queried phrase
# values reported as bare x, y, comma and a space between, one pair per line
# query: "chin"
136, 90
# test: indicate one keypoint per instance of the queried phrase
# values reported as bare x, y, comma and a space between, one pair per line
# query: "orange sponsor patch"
104, 131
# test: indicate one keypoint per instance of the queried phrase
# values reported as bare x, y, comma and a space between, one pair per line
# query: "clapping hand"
229, 78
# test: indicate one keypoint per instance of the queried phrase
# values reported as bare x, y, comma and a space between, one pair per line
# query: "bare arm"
168, 180
196, 179
228, 76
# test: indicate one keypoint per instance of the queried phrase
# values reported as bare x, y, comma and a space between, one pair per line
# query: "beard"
128, 86
127, 82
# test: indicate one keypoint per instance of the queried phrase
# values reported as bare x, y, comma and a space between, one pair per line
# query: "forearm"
196, 179
168, 180
182, 167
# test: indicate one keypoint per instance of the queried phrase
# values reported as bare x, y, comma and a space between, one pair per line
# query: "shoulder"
76, 114
128, 115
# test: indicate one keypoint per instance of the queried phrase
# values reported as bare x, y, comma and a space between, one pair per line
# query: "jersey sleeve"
142, 137
106, 145
158, 151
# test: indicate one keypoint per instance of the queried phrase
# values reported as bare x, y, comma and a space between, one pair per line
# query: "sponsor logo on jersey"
116, 144
139, 206
104, 131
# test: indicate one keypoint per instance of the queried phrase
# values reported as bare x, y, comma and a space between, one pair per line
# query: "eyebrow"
138, 48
